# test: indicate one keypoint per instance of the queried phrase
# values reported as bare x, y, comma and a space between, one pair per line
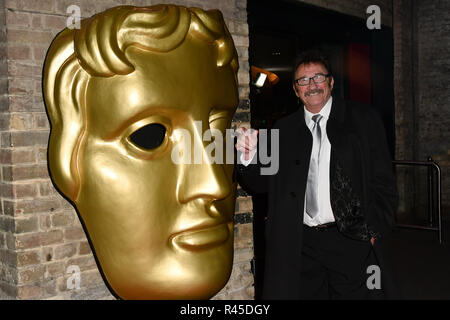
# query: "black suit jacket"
360, 156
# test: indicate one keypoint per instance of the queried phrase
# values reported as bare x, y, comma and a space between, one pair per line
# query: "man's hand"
247, 142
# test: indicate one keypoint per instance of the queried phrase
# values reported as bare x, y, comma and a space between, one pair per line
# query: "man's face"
314, 95
160, 230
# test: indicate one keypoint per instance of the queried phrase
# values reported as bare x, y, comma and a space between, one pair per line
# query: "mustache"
310, 92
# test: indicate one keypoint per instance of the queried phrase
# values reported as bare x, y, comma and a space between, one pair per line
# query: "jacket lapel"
345, 187
303, 153
343, 138
338, 132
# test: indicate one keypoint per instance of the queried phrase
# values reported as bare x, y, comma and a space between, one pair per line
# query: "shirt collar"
325, 112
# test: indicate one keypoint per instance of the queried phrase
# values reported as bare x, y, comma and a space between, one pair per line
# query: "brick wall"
8, 272
433, 83
40, 234
422, 64
404, 53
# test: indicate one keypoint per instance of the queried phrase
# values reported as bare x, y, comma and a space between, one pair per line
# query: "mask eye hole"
149, 137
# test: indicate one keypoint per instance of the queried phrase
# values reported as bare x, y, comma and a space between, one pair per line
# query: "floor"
422, 264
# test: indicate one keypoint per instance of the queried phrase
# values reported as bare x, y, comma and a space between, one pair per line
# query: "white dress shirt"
325, 214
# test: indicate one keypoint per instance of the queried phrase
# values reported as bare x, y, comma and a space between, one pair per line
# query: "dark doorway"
361, 60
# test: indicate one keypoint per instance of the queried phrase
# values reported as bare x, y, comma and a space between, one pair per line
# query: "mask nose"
204, 180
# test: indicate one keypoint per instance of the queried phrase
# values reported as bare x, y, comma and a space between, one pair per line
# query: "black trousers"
336, 267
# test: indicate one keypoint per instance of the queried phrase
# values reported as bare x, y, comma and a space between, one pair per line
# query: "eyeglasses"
318, 78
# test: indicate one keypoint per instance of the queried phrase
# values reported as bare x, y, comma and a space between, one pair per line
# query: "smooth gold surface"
160, 230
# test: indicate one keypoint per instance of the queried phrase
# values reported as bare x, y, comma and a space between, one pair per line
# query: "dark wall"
280, 30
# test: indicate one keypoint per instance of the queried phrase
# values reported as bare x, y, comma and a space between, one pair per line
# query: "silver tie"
312, 186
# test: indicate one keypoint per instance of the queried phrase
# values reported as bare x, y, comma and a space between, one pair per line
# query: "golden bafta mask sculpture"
117, 92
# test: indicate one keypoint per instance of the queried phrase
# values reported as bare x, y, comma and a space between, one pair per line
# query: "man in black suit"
332, 203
